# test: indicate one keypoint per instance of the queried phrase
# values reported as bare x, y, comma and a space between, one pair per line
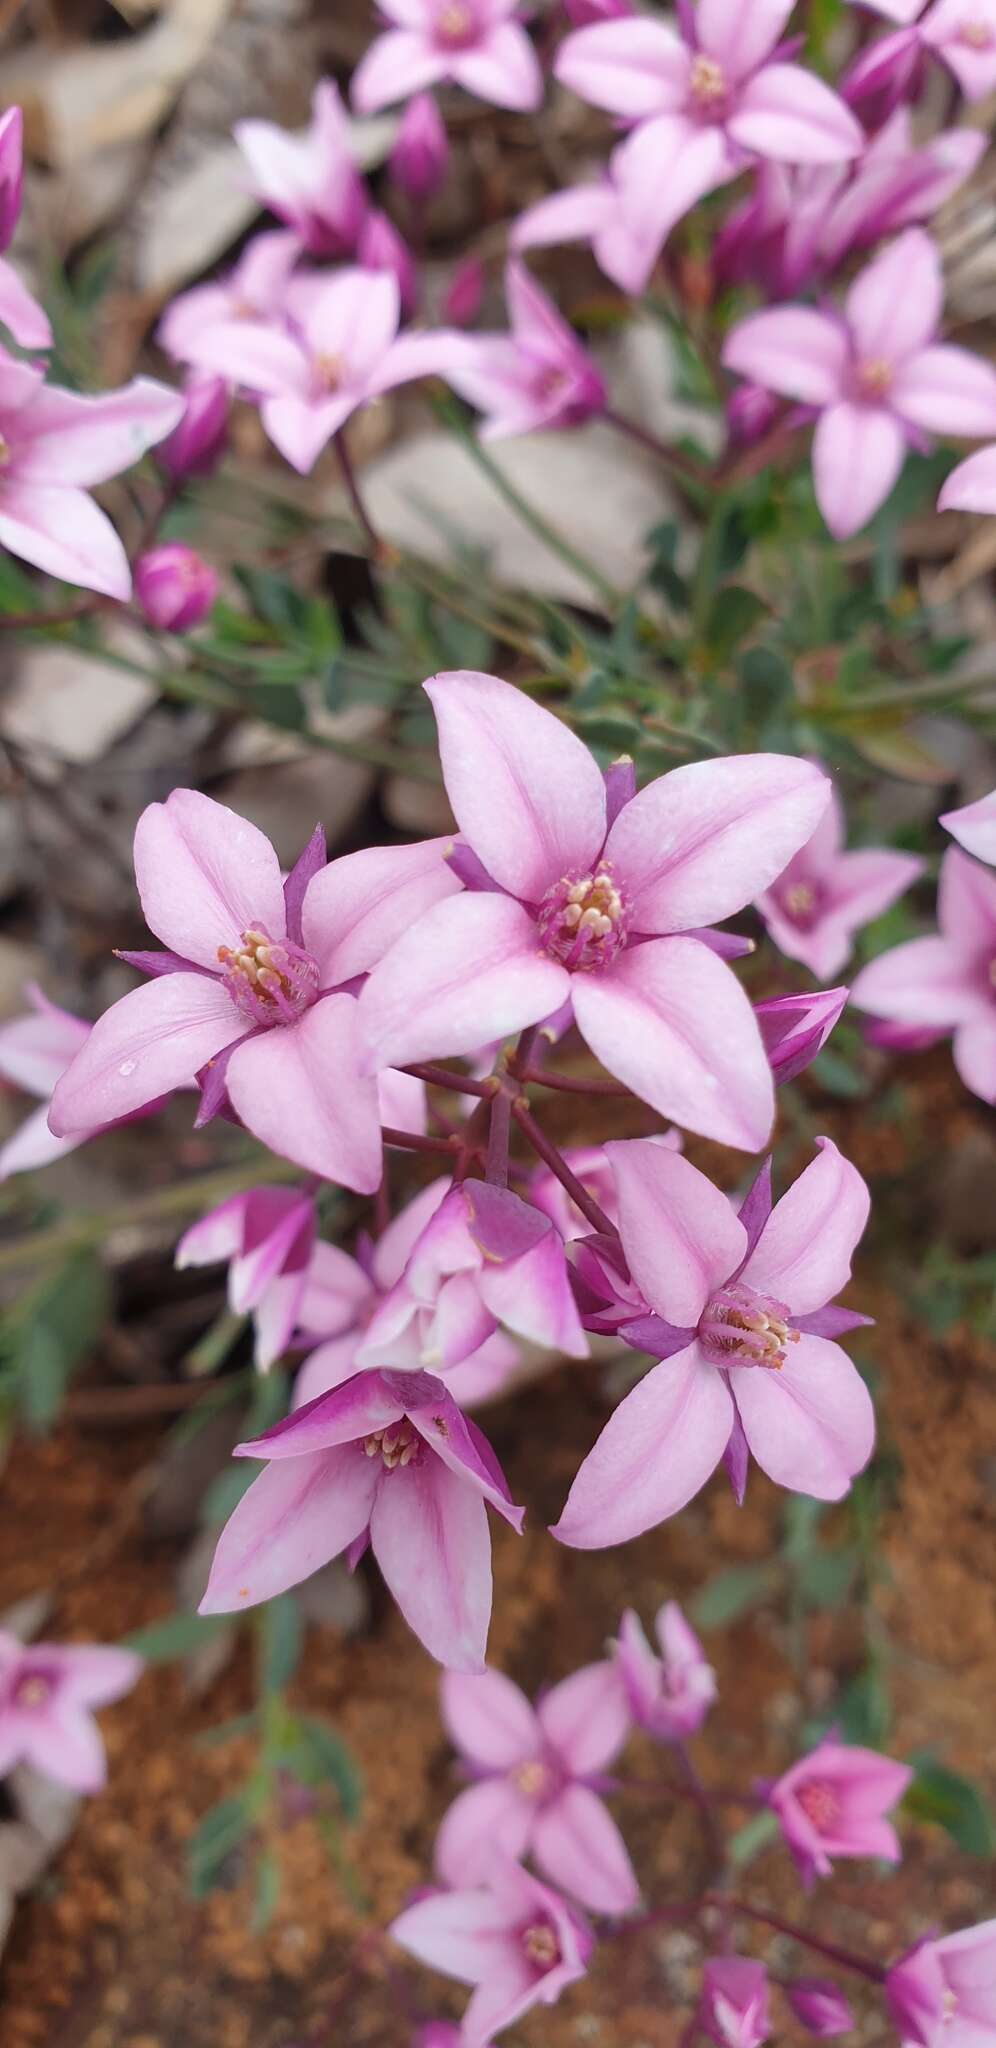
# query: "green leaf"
749, 1840
732, 1593
177, 1635
766, 687
837, 1076
221, 1832
951, 1802
862, 1712
733, 614
662, 573
280, 1636
50, 1331
825, 1577
332, 1763
266, 1891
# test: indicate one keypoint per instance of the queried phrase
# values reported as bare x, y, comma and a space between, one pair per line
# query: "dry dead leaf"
93, 97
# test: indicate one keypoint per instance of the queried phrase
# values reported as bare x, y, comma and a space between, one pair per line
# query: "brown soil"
113, 1953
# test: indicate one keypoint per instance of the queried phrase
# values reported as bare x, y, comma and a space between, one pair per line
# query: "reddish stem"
864, 1967
567, 1084
496, 1169
411, 1141
459, 1084
559, 1168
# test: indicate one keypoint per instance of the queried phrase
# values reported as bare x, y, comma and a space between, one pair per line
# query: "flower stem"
688, 471
459, 1084
356, 499
569, 1084
559, 1168
496, 1168
862, 1965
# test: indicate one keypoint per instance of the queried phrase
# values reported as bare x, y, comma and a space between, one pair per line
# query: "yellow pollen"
875, 377
706, 82
593, 906
529, 1778
33, 1692
975, 35
541, 1946
453, 22
800, 900
949, 2004
397, 1445
329, 371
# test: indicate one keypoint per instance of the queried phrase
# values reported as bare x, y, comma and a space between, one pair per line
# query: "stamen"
454, 24
33, 1691
399, 1444
270, 980
584, 923
532, 1779
741, 1327
540, 1945
707, 84
820, 1803
976, 35
800, 901
328, 371
874, 377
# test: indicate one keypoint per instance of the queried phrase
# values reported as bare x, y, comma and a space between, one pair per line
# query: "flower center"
819, 1803
584, 923
532, 1779
33, 1690
800, 902
742, 1327
269, 980
329, 371
707, 84
540, 1945
399, 1444
975, 35
874, 377
455, 25
5, 452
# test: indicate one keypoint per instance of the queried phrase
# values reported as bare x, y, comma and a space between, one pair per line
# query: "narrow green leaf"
732, 1593
953, 1803
177, 1635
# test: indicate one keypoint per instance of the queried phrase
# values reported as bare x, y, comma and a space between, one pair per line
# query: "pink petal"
966, 906
327, 1367
858, 452
398, 64
974, 827
634, 67
697, 844
402, 1102
656, 1451
740, 33
468, 973
394, 1248
523, 1280
863, 885
579, 1848
975, 1057
36, 1049
205, 876
337, 1294
155, 1039
216, 1237
489, 1720
459, 1933
27, 320
786, 113
793, 350
925, 981
947, 391
301, 427
811, 1425
570, 216
894, 306
353, 314
459, 1445
299, 1089
66, 1746
356, 907
296, 1516
503, 68
488, 1820
360, 1407
95, 1674
660, 172
486, 1375
525, 791
803, 1255
972, 486
64, 438
275, 1319
258, 356
429, 1534
63, 532
586, 1718
671, 1021
33, 1145
681, 1237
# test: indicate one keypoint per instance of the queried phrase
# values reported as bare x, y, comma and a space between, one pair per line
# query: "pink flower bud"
733, 2009
195, 447
796, 1028
382, 248
750, 411
11, 173
820, 2005
463, 300
421, 154
437, 2034
174, 587
584, 13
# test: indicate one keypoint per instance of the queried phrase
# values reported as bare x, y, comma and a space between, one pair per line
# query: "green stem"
183, 1198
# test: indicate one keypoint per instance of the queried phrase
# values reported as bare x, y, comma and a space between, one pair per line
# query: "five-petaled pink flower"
670, 1694
536, 377
479, 44
577, 888
309, 181
733, 2005
943, 1991
251, 991
974, 827
825, 895
47, 1691
833, 1803
265, 1236
735, 1309
946, 982
877, 378
53, 444
389, 1459
536, 1771
517, 1941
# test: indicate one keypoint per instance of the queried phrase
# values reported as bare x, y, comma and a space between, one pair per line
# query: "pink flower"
517, 1942
820, 2006
479, 44
483, 1258
53, 443
535, 1772
251, 991
669, 1695
833, 1804
27, 320
536, 377
825, 895
265, 1236
974, 827
309, 181
947, 982
420, 154
960, 33
972, 486
944, 1991
46, 1693
734, 1307
795, 1028
254, 291
341, 1298
576, 900
343, 351
34, 1054
876, 377
389, 1459
196, 446
733, 2007
174, 587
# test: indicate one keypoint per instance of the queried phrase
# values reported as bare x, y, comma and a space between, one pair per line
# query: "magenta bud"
584, 13
174, 587
750, 411
437, 2034
795, 1028
421, 154
382, 248
820, 2006
11, 173
195, 447
463, 299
